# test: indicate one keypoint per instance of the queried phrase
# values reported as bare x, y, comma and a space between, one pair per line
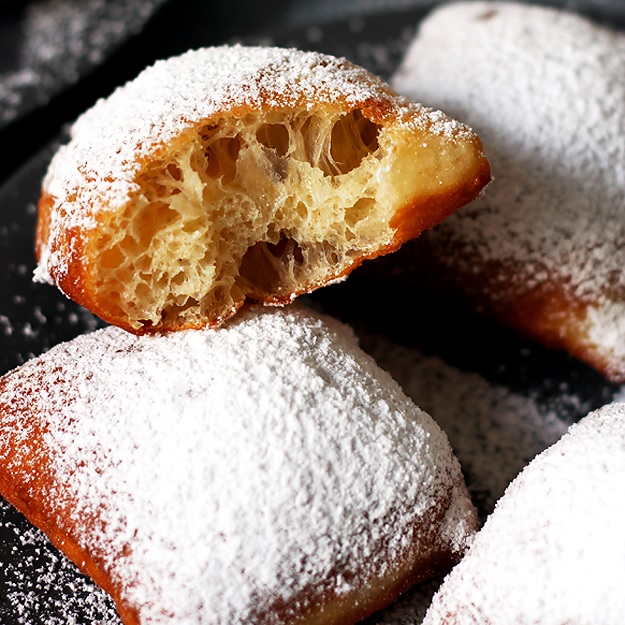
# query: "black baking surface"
37, 584
53, 63
47, 45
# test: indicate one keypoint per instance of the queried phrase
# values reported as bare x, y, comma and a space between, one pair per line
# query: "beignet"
543, 250
264, 472
237, 172
553, 550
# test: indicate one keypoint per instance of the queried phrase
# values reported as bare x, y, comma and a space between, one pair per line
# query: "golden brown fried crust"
334, 181
409, 223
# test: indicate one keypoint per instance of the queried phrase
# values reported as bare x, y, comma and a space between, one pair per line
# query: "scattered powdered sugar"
6, 326
543, 88
236, 468
554, 549
59, 41
493, 431
40, 582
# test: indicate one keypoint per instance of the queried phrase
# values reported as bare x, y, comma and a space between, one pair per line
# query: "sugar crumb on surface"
40, 583
59, 42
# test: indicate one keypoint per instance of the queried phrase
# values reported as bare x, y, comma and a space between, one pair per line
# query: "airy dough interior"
260, 207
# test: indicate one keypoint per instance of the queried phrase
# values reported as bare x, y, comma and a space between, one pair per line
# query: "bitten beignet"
553, 551
544, 249
242, 172
265, 472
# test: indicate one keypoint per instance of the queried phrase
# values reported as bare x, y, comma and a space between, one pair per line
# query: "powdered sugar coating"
494, 433
554, 549
96, 171
259, 459
544, 90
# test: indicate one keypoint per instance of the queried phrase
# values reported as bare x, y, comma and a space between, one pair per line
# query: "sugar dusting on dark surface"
60, 41
39, 582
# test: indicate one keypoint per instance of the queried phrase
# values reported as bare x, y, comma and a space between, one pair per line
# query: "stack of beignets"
543, 250
236, 173
264, 472
267, 471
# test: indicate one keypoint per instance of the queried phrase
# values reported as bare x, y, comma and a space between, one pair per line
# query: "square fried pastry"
553, 551
236, 173
543, 250
264, 472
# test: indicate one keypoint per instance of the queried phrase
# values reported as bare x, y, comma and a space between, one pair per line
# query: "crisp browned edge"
547, 313
550, 316
27, 486
410, 221
366, 601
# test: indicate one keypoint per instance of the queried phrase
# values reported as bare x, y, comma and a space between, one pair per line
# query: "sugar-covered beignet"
553, 551
544, 249
242, 172
264, 472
